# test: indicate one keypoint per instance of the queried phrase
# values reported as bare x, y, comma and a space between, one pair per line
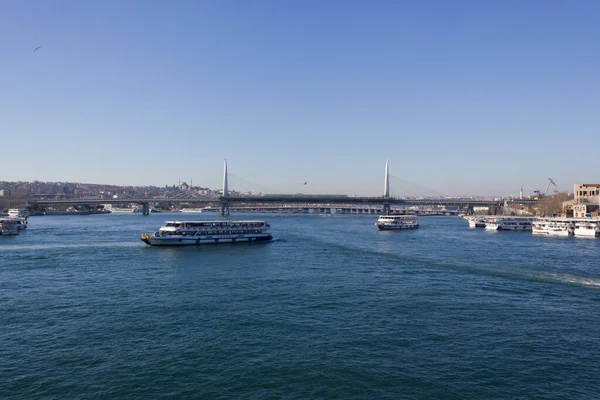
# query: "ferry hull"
493, 227
473, 224
586, 233
539, 231
559, 232
396, 227
191, 241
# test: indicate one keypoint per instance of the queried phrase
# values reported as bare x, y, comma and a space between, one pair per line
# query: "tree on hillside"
553, 204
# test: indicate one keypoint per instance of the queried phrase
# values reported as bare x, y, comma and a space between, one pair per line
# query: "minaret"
225, 189
386, 187
521, 193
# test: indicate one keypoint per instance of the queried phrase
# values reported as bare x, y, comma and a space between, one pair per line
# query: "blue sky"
463, 97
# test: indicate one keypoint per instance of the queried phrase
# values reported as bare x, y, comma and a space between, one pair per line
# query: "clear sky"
463, 97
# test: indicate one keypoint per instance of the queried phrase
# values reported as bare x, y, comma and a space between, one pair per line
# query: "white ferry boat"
20, 212
587, 228
477, 222
509, 224
392, 222
539, 226
8, 227
191, 210
124, 210
179, 233
561, 227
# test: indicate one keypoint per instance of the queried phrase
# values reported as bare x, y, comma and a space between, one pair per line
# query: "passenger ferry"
392, 222
509, 224
561, 227
191, 210
587, 228
9, 226
124, 210
539, 226
179, 233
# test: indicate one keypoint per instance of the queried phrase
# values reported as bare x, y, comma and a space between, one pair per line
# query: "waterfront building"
586, 201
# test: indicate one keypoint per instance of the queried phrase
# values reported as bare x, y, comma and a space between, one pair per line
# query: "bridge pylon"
386, 189
224, 201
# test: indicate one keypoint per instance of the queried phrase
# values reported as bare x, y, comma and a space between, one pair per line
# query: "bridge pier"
224, 208
145, 208
387, 208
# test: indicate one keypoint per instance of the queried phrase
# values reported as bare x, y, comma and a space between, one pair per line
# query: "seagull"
305, 183
37, 48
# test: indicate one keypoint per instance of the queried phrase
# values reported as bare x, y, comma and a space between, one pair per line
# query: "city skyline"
463, 98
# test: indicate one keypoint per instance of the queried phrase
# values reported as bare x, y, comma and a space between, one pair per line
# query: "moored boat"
191, 210
477, 222
509, 224
19, 212
179, 233
539, 226
561, 227
587, 228
395, 222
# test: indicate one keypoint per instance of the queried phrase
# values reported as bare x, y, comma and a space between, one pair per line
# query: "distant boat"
191, 210
179, 233
124, 210
19, 212
395, 222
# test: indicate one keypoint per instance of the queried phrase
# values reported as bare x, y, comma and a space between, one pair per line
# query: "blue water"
331, 309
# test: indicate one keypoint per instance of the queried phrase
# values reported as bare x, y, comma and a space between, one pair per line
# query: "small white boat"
587, 228
180, 233
395, 222
124, 210
191, 210
19, 212
477, 222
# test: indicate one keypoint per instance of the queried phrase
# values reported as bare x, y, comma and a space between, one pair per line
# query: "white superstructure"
540, 226
587, 228
477, 222
191, 210
561, 227
393, 222
509, 224
124, 210
179, 233
20, 212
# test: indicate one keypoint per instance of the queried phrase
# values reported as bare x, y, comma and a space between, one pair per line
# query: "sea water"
330, 309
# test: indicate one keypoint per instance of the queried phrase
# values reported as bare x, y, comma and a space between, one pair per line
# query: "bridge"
229, 198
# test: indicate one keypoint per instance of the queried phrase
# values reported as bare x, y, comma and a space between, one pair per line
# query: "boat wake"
516, 272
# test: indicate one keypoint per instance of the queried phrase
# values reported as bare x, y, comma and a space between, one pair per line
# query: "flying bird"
37, 48
305, 183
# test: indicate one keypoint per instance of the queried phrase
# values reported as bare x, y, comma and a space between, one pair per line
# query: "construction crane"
539, 194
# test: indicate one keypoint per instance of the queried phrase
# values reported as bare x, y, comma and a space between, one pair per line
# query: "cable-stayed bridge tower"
225, 204
386, 189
